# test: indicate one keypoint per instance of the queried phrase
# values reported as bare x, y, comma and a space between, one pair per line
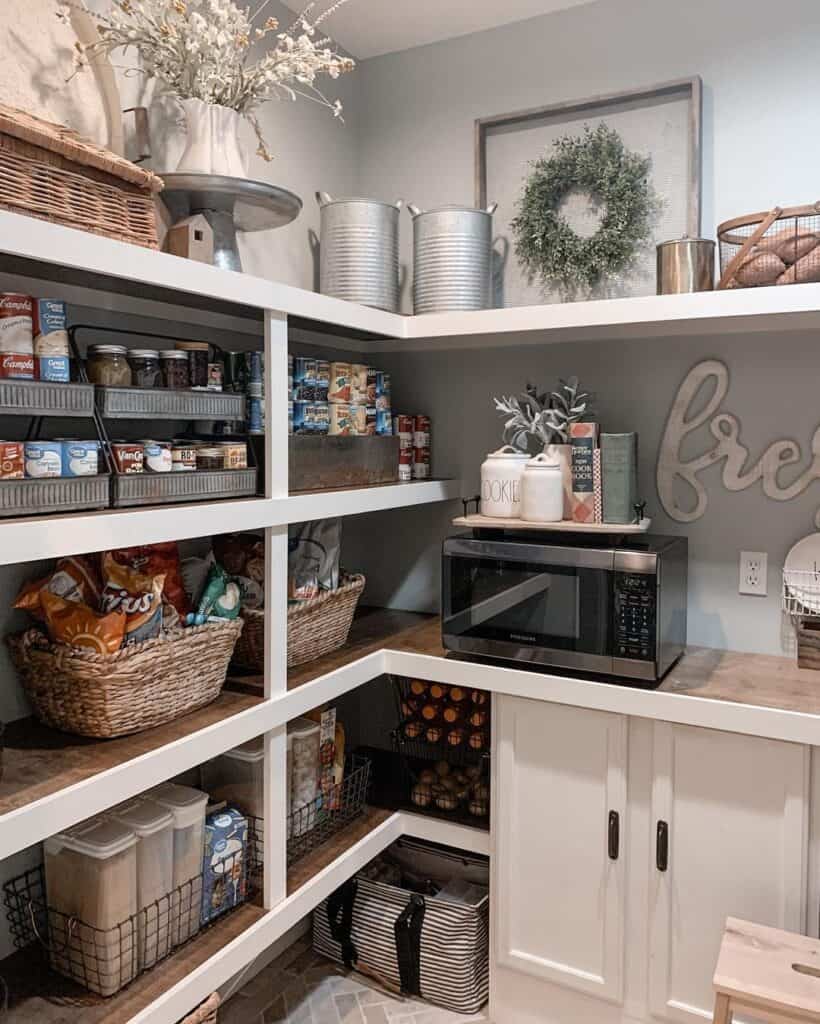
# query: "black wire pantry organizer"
313, 824
104, 961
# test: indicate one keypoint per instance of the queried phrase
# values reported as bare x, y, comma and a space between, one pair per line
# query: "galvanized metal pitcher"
452, 258
359, 251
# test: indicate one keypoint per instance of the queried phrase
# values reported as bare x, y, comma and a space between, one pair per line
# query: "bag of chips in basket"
136, 594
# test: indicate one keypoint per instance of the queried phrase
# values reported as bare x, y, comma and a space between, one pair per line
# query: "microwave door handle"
487, 609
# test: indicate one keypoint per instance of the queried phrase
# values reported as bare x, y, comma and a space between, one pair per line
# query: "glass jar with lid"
197, 355
175, 369
145, 369
107, 365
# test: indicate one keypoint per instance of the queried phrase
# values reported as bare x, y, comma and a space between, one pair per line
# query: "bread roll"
759, 268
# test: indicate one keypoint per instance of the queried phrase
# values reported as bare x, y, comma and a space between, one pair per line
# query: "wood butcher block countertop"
759, 680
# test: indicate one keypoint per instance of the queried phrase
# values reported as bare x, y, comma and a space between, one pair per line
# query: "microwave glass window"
556, 606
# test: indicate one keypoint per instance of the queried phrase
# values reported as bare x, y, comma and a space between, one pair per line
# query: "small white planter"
500, 483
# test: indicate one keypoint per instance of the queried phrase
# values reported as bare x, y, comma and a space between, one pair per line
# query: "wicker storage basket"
315, 627
139, 687
778, 247
205, 1013
50, 172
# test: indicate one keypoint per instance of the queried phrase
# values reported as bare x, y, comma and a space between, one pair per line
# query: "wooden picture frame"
689, 90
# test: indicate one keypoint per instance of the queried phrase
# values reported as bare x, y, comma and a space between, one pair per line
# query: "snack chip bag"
220, 598
75, 624
73, 579
153, 559
138, 595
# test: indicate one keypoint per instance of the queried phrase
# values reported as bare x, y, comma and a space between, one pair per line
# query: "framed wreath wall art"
598, 165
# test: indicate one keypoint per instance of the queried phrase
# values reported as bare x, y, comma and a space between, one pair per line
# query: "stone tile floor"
303, 988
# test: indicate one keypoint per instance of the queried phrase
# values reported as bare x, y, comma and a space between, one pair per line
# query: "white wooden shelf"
39, 537
134, 271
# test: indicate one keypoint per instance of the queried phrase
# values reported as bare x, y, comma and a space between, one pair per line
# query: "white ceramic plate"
802, 573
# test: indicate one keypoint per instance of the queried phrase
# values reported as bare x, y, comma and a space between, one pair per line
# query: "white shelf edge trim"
41, 537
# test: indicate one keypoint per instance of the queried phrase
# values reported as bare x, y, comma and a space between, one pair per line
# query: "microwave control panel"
635, 615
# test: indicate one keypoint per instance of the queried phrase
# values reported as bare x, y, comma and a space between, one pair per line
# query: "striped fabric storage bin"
426, 946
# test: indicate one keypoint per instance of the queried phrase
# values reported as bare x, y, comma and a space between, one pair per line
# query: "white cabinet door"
558, 878
735, 811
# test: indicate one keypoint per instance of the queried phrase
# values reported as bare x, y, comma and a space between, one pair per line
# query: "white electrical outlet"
753, 567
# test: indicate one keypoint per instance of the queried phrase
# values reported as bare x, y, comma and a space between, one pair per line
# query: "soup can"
43, 459
128, 457
157, 456
405, 464
16, 324
384, 422
80, 458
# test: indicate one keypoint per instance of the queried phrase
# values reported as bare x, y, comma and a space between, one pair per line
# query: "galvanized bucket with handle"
359, 251
452, 258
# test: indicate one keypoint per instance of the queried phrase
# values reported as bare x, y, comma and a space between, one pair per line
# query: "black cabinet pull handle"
614, 835
662, 846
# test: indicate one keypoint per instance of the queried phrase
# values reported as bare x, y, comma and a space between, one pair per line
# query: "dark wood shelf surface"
38, 761
308, 867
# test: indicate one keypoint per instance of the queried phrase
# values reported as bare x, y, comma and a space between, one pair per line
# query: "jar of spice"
145, 369
107, 365
210, 458
175, 369
196, 352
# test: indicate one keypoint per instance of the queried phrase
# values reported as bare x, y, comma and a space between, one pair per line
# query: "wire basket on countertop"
48, 171
315, 627
315, 823
774, 248
138, 687
105, 960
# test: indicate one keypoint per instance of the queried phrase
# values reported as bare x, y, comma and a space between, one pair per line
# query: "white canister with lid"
542, 490
501, 483
187, 805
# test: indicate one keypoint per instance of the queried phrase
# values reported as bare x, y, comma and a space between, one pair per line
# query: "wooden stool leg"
723, 1015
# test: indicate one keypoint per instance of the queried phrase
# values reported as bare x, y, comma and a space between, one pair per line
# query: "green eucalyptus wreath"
596, 163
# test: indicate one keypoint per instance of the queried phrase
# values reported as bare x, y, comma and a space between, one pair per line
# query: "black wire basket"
313, 824
104, 961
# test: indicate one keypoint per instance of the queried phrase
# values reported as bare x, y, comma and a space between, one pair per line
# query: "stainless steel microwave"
593, 604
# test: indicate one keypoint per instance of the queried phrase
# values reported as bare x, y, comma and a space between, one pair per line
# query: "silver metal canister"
452, 258
686, 265
359, 251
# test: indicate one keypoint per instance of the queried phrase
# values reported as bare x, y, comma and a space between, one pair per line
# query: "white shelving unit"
116, 273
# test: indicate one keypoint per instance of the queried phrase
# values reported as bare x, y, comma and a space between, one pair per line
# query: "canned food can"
255, 389
236, 372
403, 426
128, 457
322, 379
256, 367
304, 380
235, 453
80, 458
421, 463
358, 416
157, 456
53, 368
358, 384
341, 420
421, 431
43, 459
405, 464
321, 417
372, 374
49, 327
215, 376
384, 422
290, 376
304, 414
16, 366
256, 416
382, 389
290, 417
340, 384
16, 323
183, 457
12, 460
370, 420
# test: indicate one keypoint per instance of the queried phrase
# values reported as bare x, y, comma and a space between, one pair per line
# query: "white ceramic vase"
562, 453
212, 145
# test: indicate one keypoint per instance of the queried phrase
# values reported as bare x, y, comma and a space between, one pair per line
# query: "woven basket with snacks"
778, 247
138, 687
315, 627
48, 171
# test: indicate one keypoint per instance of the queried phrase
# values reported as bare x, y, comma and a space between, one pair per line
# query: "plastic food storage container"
153, 826
303, 734
187, 805
238, 776
91, 876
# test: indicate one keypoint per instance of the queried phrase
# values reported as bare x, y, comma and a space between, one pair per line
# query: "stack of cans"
309, 390
256, 393
338, 398
414, 446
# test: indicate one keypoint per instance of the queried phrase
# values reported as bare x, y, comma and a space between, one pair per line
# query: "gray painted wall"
417, 117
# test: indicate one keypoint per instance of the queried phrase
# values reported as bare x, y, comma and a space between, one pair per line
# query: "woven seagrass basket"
205, 1013
138, 687
315, 627
48, 171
